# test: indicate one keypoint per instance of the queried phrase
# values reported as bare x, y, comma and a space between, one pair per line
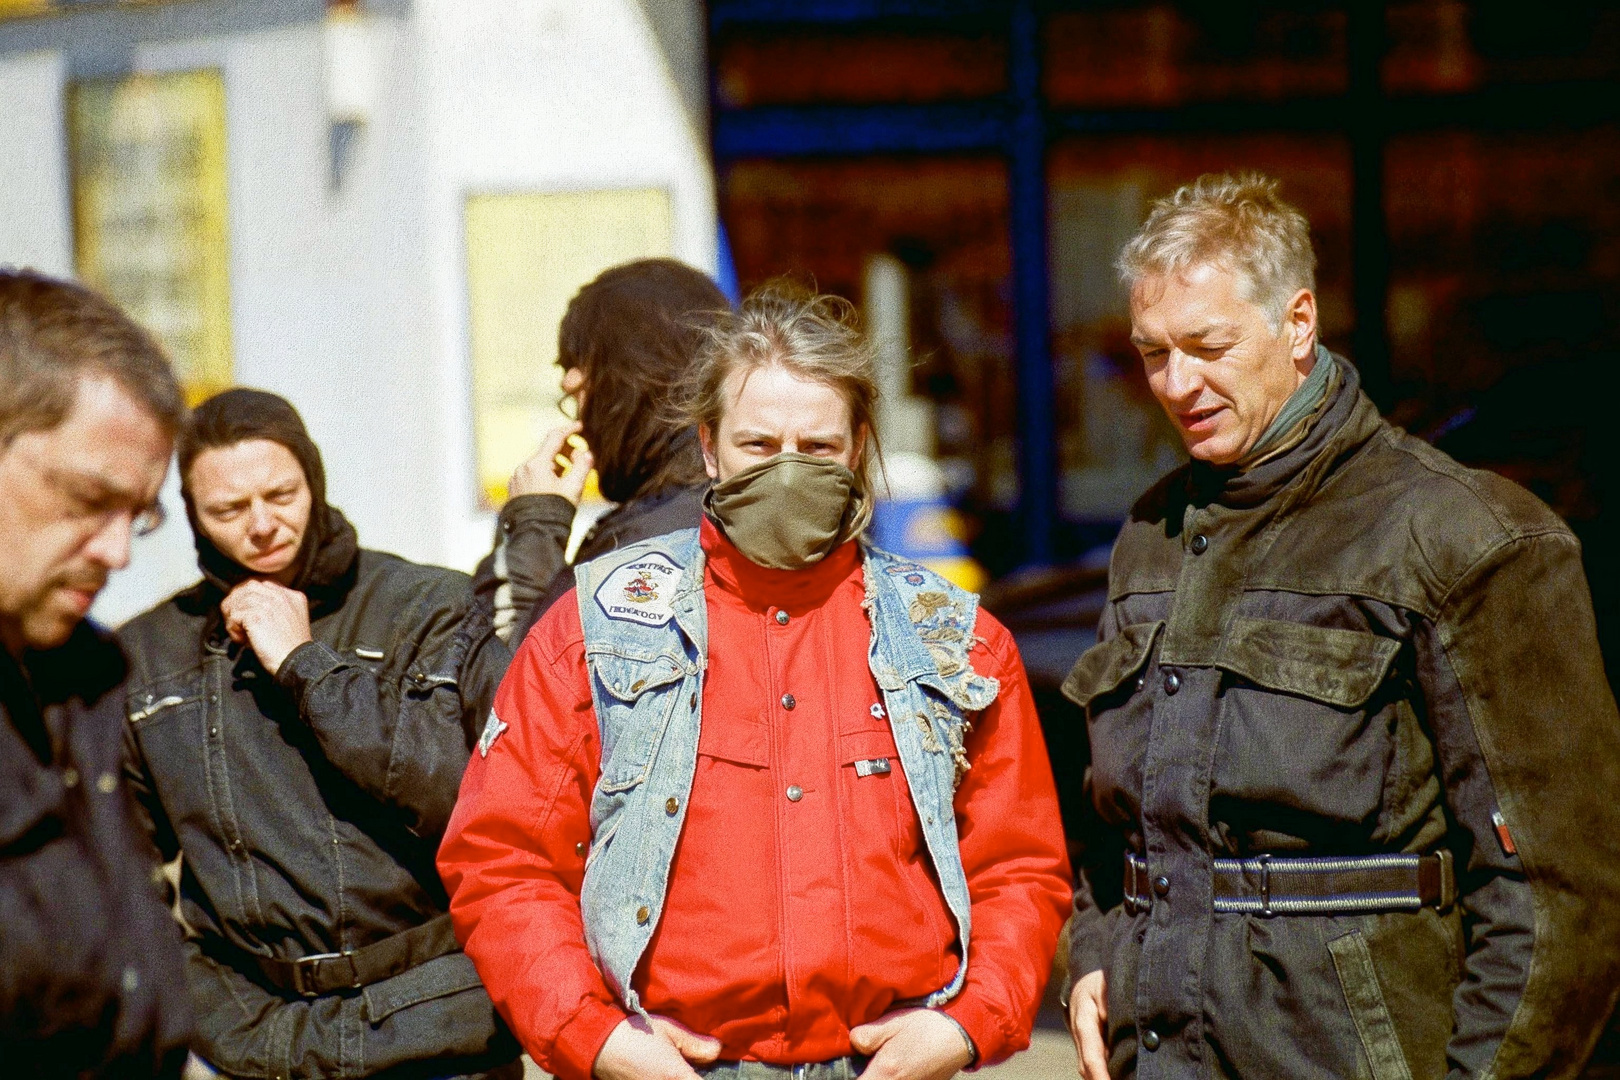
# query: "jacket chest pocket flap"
1104, 667
634, 699
163, 699
1336, 667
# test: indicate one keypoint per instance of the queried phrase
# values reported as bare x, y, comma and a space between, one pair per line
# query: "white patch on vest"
492, 731
877, 711
642, 591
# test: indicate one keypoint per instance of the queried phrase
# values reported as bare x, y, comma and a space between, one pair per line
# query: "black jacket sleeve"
403, 733
151, 820
1529, 747
1097, 892
531, 543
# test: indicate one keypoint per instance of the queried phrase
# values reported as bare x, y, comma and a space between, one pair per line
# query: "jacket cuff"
523, 511
1090, 947
991, 1042
573, 1052
306, 665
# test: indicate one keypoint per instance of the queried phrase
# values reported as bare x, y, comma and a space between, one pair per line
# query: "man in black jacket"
625, 344
1351, 801
299, 722
90, 981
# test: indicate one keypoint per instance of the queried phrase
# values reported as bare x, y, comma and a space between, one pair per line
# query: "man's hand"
540, 474
912, 1044
271, 618
1088, 1019
658, 1051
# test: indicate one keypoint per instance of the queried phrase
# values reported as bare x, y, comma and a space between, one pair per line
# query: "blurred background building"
378, 210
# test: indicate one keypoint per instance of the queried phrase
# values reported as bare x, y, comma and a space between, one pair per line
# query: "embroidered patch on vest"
910, 571
642, 591
492, 731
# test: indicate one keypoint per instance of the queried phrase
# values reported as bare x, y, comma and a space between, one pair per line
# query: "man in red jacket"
758, 792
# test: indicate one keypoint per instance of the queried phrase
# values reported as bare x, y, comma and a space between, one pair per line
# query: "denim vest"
646, 645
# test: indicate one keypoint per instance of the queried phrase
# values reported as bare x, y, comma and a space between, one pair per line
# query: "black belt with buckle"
1311, 885
325, 973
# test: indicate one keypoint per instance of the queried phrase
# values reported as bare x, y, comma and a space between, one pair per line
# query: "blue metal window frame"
1020, 126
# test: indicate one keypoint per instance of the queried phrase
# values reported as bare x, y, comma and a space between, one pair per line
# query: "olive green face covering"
789, 511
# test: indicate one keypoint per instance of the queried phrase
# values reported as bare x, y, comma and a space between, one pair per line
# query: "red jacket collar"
761, 587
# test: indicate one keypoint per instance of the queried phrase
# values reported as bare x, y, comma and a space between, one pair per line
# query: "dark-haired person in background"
626, 341
299, 722
90, 978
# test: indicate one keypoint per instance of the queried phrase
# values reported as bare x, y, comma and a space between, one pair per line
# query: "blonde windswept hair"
1237, 222
816, 336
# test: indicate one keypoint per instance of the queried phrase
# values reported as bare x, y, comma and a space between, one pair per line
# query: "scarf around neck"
1297, 412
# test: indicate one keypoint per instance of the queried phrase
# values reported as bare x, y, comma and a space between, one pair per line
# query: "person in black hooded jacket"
299, 721
626, 342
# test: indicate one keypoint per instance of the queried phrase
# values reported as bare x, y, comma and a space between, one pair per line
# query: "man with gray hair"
1351, 804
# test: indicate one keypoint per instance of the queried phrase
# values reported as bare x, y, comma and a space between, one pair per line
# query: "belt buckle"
305, 967
1448, 879
1265, 885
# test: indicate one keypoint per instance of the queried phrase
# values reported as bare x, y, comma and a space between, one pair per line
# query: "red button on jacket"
802, 901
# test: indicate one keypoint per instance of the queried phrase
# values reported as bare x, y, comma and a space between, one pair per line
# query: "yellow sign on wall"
527, 255
149, 211
12, 8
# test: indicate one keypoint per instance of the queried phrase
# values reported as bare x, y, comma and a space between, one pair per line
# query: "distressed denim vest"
646, 645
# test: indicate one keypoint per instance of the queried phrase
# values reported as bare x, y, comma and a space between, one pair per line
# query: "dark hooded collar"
1341, 417
328, 562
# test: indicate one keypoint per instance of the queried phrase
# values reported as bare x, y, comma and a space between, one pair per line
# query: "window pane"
771, 67
1506, 262
150, 210
1162, 54
1449, 45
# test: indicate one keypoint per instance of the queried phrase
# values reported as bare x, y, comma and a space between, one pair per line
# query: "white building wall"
36, 226
542, 95
352, 301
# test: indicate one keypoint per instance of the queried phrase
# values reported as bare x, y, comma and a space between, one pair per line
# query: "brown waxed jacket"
1357, 647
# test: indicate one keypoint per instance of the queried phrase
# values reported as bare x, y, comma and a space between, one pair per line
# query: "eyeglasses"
97, 513
147, 521
87, 500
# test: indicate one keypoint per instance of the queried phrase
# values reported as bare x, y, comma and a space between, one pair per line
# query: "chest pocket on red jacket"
1342, 668
635, 699
873, 787
736, 739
